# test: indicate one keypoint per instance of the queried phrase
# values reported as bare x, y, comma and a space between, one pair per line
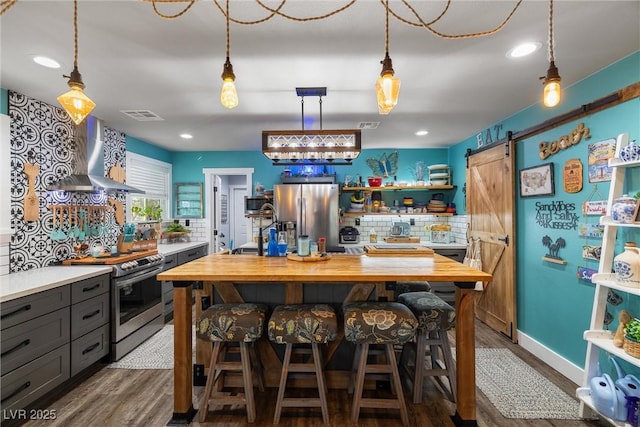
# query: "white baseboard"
568, 369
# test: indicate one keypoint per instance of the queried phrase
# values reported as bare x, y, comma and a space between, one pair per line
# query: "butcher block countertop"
248, 268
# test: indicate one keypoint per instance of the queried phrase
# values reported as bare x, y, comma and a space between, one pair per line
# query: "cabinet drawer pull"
90, 348
17, 391
192, 253
90, 315
444, 292
20, 345
23, 308
169, 261
91, 288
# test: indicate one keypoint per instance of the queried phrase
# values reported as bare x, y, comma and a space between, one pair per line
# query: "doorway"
225, 189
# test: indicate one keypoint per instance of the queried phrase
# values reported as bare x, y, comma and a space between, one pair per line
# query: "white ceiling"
132, 59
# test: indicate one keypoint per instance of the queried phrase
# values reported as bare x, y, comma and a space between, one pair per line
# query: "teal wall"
143, 148
553, 305
4, 101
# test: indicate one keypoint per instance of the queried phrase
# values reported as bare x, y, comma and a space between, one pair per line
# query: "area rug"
519, 391
154, 353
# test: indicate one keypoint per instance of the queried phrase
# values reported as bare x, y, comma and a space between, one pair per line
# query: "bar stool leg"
363, 352
391, 359
257, 367
248, 382
418, 377
283, 381
322, 385
449, 363
211, 379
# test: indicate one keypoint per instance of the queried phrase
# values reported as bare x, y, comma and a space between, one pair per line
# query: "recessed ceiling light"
523, 49
46, 62
186, 136
422, 132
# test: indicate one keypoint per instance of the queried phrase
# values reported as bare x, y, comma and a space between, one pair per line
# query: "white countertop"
29, 282
173, 248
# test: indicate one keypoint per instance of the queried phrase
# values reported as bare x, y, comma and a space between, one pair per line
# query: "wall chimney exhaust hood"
88, 164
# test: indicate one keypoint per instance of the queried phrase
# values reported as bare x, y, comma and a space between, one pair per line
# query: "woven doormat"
519, 391
154, 353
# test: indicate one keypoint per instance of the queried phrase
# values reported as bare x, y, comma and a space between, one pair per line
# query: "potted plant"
632, 337
419, 172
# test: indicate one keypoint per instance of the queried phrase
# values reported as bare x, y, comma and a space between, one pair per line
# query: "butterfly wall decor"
384, 166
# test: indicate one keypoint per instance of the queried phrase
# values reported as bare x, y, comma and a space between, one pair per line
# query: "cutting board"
31, 200
381, 250
108, 259
402, 239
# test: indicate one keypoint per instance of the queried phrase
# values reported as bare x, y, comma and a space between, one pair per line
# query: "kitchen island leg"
183, 411
465, 356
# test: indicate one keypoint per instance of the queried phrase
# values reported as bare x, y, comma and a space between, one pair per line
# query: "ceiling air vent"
368, 125
142, 115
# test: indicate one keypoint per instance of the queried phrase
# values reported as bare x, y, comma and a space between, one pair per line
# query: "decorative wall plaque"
572, 176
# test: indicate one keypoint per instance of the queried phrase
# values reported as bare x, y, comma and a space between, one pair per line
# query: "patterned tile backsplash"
44, 135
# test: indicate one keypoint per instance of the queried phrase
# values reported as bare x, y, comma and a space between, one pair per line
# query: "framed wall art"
537, 181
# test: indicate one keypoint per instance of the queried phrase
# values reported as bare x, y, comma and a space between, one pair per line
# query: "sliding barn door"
491, 216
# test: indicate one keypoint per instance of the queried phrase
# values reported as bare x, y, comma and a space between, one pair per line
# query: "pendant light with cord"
387, 86
228, 95
551, 93
75, 102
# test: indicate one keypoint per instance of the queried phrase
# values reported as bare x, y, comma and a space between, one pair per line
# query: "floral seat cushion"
232, 322
432, 312
303, 323
378, 322
400, 288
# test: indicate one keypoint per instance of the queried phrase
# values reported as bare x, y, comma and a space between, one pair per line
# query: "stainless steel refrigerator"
314, 208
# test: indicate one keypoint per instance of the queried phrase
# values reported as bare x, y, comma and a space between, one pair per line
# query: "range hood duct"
88, 164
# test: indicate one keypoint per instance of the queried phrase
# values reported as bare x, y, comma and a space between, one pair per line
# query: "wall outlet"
199, 378
412, 221
358, 221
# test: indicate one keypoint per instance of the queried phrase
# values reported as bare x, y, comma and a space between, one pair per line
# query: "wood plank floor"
115, 397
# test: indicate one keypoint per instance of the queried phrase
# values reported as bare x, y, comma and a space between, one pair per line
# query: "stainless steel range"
136, 303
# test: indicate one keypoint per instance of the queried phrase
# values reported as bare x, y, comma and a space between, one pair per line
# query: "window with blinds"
154, 178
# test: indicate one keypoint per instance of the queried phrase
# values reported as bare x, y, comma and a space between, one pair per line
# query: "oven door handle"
130, 280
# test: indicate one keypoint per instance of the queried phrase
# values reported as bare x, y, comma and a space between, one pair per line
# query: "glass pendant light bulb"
387, 90
228, 95
551, 94
75, 102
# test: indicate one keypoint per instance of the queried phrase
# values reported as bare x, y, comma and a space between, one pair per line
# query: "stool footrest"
367, 402
302, 367
301, 402
217, 400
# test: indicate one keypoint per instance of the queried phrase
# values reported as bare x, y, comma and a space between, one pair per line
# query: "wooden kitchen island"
366, 276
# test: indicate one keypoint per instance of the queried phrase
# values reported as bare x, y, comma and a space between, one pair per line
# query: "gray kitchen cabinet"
35, 346
89, 321
48, 337
191, 254
29, 382
447, 290
174, 260
170, 261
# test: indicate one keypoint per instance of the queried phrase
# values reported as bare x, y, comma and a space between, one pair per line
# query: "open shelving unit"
597, 338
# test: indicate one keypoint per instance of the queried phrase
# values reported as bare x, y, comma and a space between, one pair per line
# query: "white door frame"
209, 174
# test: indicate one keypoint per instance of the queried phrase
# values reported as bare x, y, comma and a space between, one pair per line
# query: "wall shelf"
400, 188
188, 198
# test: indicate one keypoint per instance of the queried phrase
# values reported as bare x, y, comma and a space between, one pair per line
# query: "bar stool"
291, 325
386, 323
435, 318
403, 287
222, 324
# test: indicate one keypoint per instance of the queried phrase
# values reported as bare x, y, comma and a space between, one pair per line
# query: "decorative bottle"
272, 246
